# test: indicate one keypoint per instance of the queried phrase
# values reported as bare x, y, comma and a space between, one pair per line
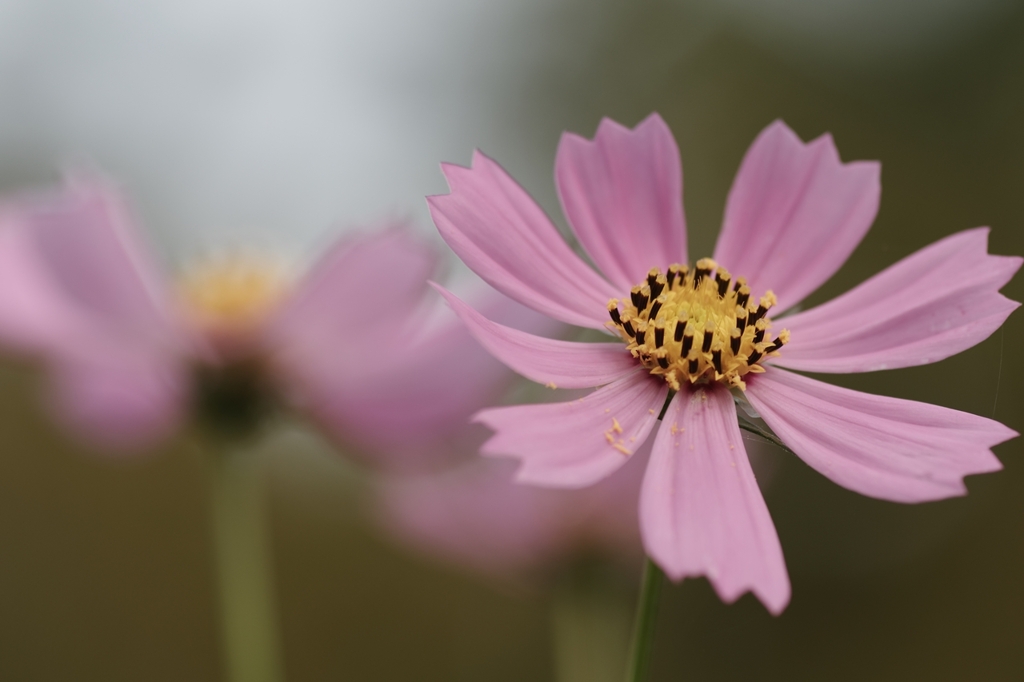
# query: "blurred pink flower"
355, 344
794, 214
476, 516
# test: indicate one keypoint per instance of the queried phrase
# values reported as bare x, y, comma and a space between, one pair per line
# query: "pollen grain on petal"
612, 435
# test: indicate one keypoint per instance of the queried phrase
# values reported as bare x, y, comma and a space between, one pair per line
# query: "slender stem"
643, 627
248, 611
764, 434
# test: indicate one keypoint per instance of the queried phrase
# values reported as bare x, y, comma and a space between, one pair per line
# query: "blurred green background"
105, 565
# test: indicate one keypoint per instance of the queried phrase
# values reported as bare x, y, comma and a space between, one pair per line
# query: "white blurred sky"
232, 121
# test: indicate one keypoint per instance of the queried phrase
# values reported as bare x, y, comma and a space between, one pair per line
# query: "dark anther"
687, 343
716, 359
655, 307
699, 275
659, 337
655, 283
758, 314
692, 365
723, 284
742, 297
637, 298
640, 334
663, 362
758, 335
741, 322
628, 327
776, 345
708, 338
754, 357
614, 312
734, 342
680, 328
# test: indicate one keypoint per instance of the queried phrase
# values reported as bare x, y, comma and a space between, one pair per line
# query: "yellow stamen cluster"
234, 292
696, 326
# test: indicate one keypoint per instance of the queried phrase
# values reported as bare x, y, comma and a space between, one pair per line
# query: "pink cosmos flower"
354, 344
704, 337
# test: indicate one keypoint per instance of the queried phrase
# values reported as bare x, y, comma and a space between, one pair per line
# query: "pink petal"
34, 314
477, 516
353, 326
85, 239
623, 195
897, 450
701, 512
502, 235
77, 290
119, 403
356, 298
576, 443
933, 304
404, 406
565, 364
795, 213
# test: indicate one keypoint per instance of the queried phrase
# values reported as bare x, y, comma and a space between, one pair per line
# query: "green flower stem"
248, 612
764, 434
590, 621
643, 627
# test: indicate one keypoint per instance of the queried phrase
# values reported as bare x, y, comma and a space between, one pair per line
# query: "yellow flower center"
697, 326
233, 293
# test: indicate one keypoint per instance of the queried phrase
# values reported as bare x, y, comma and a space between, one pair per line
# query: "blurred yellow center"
234, 292
696, 326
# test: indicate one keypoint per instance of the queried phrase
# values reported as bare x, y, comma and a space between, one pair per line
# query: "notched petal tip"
795, 213
622, 194
701, 511
887, 448
497, 229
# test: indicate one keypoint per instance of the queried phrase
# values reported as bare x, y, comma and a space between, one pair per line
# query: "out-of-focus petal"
932, 304
406, 406
502, 235
85, 239
343, 341
565, 364
894, 449
623, 195
577, 443
356, 298
34, 315
795, 213
117, 402
701, 512
72, 267
476, 515
78, 291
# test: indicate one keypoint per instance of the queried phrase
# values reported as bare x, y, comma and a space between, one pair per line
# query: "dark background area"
105, 565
